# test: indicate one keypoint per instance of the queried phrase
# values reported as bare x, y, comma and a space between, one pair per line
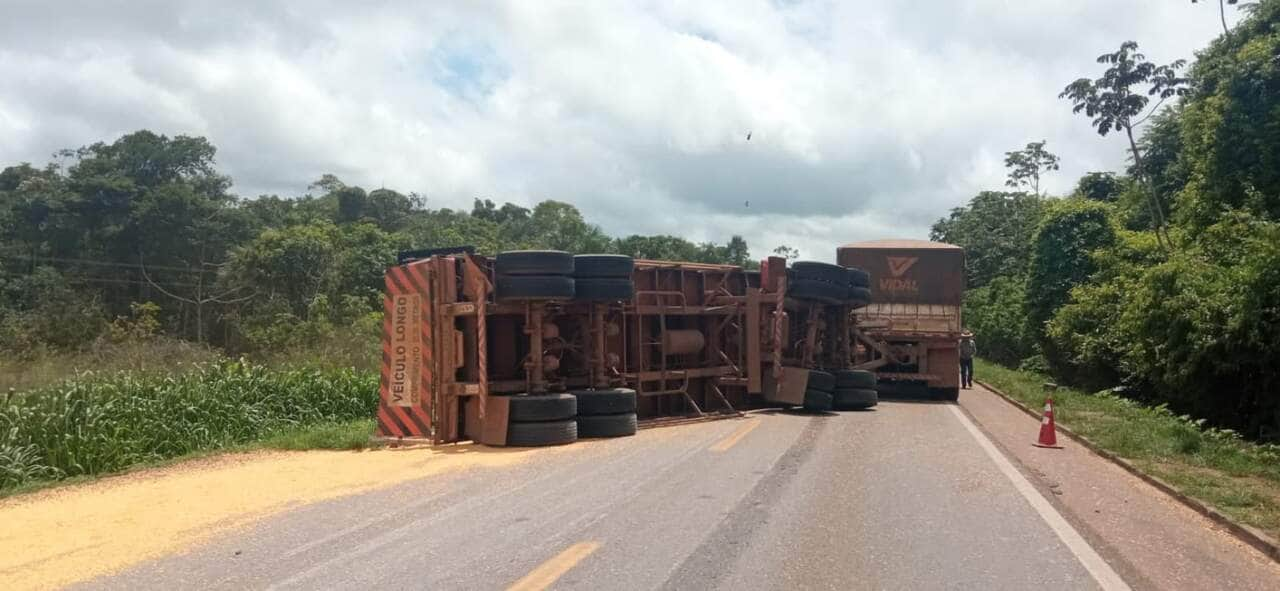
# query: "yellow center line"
735, 437
550, 571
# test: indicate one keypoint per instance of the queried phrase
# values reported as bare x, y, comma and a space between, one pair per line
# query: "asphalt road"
902, 497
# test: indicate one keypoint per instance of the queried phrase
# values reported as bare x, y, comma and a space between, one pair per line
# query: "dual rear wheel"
557, 275
543, 419
829, 284
849, 389
609, 412
554, 419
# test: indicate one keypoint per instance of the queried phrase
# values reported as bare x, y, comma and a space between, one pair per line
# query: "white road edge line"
1097, 567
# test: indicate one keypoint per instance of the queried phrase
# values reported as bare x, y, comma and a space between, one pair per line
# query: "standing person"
968, 349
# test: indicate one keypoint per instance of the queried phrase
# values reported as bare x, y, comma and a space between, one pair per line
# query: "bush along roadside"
1216, 466
93, 424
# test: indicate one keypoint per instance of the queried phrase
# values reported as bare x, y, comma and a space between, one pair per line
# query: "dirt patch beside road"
74, 533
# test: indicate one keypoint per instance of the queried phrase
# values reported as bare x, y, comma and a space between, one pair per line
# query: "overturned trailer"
499, 350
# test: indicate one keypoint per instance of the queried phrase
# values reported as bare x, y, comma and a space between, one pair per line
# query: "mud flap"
492, 428
788, 389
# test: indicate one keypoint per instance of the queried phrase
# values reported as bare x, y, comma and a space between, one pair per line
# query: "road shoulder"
1154, 541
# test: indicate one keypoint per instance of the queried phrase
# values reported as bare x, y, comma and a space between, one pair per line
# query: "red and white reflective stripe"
482, 347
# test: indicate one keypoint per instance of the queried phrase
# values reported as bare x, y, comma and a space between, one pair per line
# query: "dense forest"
142, 237
1163, 282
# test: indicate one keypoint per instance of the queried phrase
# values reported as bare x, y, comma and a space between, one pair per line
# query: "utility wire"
39, 258
91, 279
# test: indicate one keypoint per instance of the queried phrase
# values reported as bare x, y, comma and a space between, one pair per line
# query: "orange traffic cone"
1048, 432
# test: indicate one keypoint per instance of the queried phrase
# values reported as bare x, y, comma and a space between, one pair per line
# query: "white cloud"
868, 120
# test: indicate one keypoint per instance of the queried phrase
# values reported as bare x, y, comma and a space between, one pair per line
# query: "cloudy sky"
868, 119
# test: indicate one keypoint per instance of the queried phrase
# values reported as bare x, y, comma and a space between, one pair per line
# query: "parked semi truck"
909, 333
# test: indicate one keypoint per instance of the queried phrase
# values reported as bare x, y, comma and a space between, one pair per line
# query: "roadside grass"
355, 435
348, 435
93, 424
1217, 466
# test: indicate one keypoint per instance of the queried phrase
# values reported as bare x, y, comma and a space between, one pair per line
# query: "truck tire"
604, 289
855, 378
534, 287
542, 433
609, 401
821, 381
820, 272
543, 407
619, 425
860, 295
947, 394
858, 277
533, 262
815, 290
854, 399
603, 265
817, 400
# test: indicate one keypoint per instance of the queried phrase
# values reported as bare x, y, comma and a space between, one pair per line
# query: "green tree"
291, 265
35, 215
1113, 104
716, 254
362, 255
143, 197
1068, 235
187, 230
1230, 127
1086, 332
445, 228
351, 204
270, 211
485, 210
995, 312
736, 252
148, 218
328, 182
1198, 328
1099, 186
508, 213
995, 229
1026, 165
390, 210
109, 182
661, 248
44, 309
787, 252
1164, 165
560, 226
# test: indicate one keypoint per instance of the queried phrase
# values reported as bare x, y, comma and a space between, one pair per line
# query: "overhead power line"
108, 280
38, 258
